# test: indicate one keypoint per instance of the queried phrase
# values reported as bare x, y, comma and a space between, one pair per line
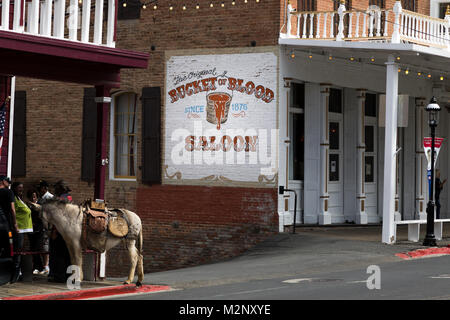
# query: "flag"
2, 125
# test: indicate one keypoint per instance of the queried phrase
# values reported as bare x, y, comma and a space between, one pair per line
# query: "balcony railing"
388, 25
69, 20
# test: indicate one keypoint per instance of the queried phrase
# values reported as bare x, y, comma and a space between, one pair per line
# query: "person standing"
37, 237
439, 185
44, 194
59, 253
7, 206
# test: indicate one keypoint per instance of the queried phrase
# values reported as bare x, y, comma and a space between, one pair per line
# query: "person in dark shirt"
7, 207
439, 185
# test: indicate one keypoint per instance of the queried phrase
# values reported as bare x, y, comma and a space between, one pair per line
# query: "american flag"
2, 125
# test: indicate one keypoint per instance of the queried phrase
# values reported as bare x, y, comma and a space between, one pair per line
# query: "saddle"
99, 218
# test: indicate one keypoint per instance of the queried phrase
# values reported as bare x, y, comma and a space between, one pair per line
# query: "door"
297, 146
370, 158
335, 157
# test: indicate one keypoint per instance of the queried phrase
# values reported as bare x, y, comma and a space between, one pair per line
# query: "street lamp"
433, 117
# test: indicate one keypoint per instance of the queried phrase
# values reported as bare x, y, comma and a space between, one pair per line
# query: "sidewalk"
311, 250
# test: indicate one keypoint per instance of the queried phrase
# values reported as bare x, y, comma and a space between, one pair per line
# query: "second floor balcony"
391, 25
79, 21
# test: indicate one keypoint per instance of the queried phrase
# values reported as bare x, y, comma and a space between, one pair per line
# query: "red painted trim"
22, 12
73, 50
420, 253
93, 293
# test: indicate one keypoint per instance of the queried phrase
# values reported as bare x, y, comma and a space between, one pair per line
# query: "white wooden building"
352, 118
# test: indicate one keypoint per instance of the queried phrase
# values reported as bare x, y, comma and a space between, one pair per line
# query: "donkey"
68, 220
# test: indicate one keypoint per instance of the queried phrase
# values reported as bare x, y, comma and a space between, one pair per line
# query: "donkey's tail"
140, 242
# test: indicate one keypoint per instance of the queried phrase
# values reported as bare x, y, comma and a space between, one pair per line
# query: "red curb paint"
93, 293
423, 253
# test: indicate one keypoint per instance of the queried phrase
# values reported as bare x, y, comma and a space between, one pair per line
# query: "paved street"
427, 278
316, 263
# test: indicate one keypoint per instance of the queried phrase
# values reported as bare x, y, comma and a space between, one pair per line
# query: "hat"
5, 178
43, 183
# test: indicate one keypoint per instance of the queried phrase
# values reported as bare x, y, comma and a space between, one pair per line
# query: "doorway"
297, 146
335, 158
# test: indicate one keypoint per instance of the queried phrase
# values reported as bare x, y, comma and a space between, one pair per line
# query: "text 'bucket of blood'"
218, 105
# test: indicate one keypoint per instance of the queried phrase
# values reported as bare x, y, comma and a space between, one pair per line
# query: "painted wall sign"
220, 119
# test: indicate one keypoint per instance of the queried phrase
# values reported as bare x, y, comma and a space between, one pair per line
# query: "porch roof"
60, 60
410, 56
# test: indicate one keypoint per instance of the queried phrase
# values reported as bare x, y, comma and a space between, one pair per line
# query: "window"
370, 107
378, 3
124, 137
370, 152
306, 5
335, 101
334, 136
409, 5
443, 9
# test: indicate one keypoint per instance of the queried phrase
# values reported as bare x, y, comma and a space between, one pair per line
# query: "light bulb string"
410, 67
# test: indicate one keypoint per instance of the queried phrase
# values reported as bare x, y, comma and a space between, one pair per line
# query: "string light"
442, 78
184, 7
372, 59
211, 5
155, 7
233, 3
124, 5
197, 6
429, 76
407, 71
419, 73
222, 4
144, 6
170, 7
352, 58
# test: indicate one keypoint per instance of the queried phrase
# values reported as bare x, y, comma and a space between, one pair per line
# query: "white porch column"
324, 215
388, 235
421, 169
361, 215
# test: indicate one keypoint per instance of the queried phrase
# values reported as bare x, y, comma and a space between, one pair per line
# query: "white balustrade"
389, 25
60, 19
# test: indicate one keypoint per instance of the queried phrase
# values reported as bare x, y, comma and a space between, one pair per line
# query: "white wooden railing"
389, 25
62, 19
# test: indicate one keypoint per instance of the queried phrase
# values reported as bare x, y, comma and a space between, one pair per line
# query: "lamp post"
433, 117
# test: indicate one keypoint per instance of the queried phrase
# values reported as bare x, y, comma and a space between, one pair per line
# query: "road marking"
249, 291
442, 276
358, 281
298, 280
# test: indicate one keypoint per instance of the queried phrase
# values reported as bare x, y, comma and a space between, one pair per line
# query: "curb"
93, 293
420, 253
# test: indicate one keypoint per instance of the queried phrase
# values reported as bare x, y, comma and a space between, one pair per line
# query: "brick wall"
187, 225
183, 225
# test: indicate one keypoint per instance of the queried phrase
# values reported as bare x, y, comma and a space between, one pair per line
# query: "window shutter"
151, 135
89, 135
19, 135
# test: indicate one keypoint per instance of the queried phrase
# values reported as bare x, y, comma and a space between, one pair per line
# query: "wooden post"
103, 100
